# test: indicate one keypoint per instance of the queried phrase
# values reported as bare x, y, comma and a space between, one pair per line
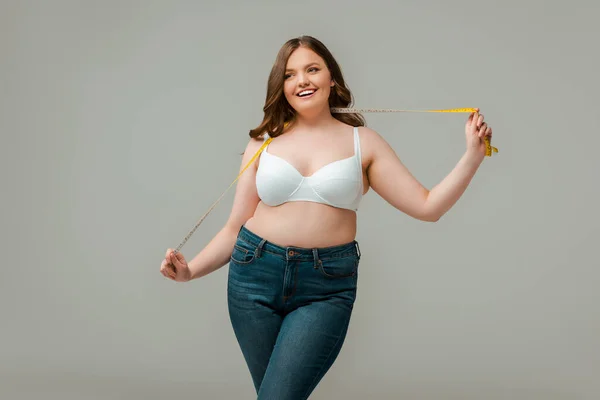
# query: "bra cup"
274, 184
338, 191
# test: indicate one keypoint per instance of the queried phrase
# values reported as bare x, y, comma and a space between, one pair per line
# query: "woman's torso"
305, 223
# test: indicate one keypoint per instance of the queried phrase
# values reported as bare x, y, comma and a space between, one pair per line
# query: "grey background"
122, 122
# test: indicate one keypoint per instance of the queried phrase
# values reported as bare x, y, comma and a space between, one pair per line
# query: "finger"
475, 118
482, 129
169, 251
163, 266
166, 266
180, 257
177, 259
171, 268
168, 272
171, 273
479, 121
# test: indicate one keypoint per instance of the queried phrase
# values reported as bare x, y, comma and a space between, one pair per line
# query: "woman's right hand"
175, 267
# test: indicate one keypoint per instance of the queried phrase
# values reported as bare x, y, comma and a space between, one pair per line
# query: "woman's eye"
313, 69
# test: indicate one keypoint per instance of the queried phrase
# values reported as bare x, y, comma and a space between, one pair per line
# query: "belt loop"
315, 258
357, 249
259, 248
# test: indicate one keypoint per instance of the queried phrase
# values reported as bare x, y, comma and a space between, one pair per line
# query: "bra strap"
357, 147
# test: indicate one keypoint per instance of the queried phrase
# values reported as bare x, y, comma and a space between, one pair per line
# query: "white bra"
338, 184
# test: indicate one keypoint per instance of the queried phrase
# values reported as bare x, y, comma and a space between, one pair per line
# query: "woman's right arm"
218, 251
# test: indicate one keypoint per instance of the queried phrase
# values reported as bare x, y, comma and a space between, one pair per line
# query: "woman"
290, 238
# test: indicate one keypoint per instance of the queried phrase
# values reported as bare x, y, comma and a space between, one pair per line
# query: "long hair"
277, 110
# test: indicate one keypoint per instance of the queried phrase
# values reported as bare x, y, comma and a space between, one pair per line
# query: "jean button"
291, 253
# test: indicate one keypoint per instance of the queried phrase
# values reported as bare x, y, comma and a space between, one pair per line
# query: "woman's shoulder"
369, 136
363, 131
254, 143
371, 143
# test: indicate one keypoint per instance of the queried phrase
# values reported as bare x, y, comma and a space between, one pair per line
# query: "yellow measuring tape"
488, 151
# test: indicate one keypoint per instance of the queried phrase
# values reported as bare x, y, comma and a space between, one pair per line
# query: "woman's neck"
316, 121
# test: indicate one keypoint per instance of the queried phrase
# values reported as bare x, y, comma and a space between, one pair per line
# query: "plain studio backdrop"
123, 121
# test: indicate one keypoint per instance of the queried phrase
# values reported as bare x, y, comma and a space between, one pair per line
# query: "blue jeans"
290, 308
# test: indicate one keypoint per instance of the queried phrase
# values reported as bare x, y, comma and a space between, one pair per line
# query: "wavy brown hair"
277, 109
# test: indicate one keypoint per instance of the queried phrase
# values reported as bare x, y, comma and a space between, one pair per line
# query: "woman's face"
307, 81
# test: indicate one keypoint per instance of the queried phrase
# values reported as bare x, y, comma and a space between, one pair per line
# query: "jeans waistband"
299, 253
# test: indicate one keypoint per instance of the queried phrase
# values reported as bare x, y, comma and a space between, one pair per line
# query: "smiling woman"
290, 238
307, 59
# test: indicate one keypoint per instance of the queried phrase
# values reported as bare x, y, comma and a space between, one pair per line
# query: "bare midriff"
303, 224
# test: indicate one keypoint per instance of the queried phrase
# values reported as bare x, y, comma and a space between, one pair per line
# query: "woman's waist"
304, 225
251, 239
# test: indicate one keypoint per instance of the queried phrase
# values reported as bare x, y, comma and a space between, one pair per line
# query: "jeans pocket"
241, 255
338, 267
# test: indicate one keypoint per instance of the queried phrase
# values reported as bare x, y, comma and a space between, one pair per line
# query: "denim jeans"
290, 309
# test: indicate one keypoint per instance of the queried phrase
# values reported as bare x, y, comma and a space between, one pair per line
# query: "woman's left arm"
394, 183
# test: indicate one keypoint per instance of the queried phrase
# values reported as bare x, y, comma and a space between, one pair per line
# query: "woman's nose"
302, 80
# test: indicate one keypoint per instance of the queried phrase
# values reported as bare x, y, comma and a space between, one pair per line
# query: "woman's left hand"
477, 130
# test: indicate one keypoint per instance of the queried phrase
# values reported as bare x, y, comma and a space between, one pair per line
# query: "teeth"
306, 92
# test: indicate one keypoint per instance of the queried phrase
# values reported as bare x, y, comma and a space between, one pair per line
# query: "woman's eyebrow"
306, 66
